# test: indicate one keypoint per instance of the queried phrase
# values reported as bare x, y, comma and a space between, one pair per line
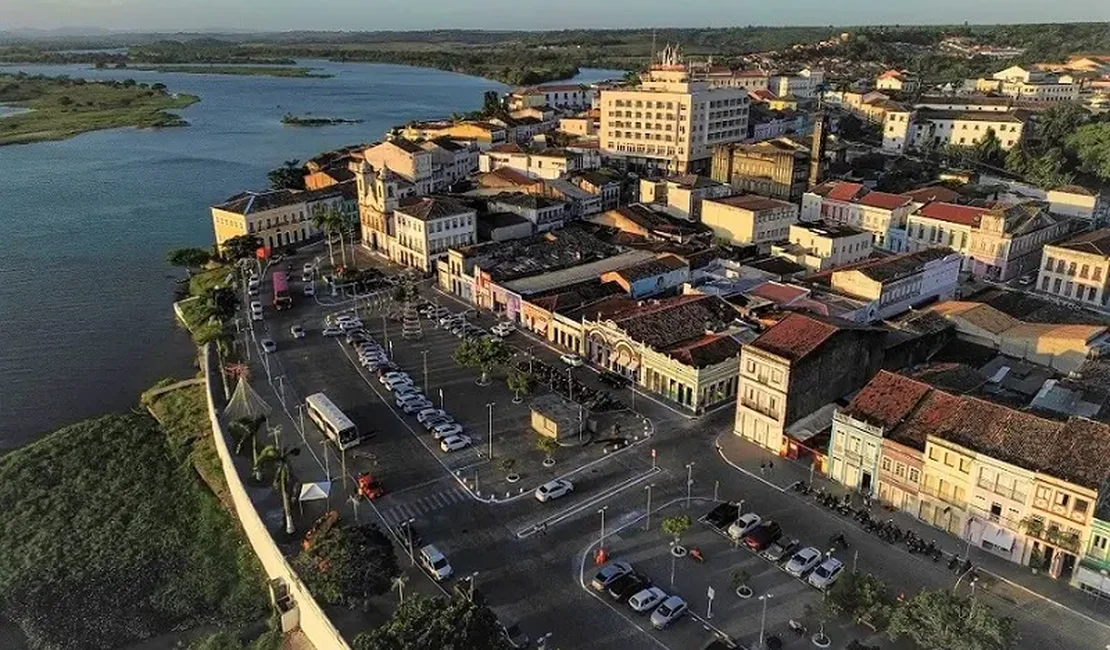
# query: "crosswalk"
424, 505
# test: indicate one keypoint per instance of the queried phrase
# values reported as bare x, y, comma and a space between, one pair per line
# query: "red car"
763, 535
369, 487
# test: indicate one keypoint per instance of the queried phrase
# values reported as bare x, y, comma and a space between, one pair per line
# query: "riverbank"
235, 70
62, 107
125, 508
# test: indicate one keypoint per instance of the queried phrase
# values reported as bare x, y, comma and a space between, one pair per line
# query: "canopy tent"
315, 491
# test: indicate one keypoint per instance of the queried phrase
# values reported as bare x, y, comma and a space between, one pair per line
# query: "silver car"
825, 575
646, 600
803, 561
668, 612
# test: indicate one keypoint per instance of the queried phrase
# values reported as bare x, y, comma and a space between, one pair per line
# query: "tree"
331, 221
491, 104
482, 354
289, 176
421, 623
676, 526
989, 149
1055, 124
547, 445
241, 246
188, 258
860, 597
349, 565
1049, 169
519, 381
64, 100
242, 432
941, 620
280, 459
506, 465
850, 127
220, 302
1091, 144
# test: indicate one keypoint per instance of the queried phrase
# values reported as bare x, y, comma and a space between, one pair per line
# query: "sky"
280, 15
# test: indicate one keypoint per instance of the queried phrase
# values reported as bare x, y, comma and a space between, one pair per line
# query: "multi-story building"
1027, 85
671, 121
581, 126
684, 348
682, 194
820, 246
279, 218
902, 81
1092, 206
543, 212
426, 227
580, 203
1078, 269
600, 183
796, 367
565, 97
776, 168
750, 80
451, 161
898, 283
749, 219
998, 243
408, 160
850, 204
803, 84
925, 128
547, 164
650, 277
483, 134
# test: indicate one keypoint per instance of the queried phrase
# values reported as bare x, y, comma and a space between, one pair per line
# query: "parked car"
1027, 279
435, 562
554, 489
669, 611
613, 379
349, 325
763, 535
436, 421
803, 561
310, 290
825, 575
615, 444
332, 332
454, 443
386, 376
572, 360
722, 516
608, 573
781, 549
297, 331
256, 310
627, 586
415, 405
645, 600
308, 268
429, 413
268, 345
447, 430
743, 525
396, 382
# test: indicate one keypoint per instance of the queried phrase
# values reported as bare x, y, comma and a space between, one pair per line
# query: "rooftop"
651, 268
686, 326
1074, 189
252, 202
659, 222
779, 266
830, 230
502, 175
838, 191
540, 254
883, 200
968, 116
1096, 242
886, 269
933, 193
965, 215
596, 177
426, 208
796, 336
526, 201
980, 315
494, 220
753, 202
406, 145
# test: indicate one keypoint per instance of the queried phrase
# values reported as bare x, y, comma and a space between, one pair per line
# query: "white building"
802, 85
1091, 206
544, 213
547, 164
564, 97
671, 121
924, 127
898, 283
821, 246
850, 204
425, 227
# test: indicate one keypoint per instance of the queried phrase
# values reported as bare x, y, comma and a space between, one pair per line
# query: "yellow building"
1078, 269
671, 121
777, 168
749, 219
484, 134
279, 217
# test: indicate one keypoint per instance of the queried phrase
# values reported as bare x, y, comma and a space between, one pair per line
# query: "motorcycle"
696, 555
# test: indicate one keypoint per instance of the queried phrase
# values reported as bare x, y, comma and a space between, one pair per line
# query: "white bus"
331, 421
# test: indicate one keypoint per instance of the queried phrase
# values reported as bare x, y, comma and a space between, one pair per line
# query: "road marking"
532, 529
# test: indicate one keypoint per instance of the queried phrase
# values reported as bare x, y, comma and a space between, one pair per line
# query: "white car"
668, 612
429, 414
332, 332
646, 600
826, 574
454, 443
256, 310
803, 561
308, 268
444, 431
394, 375
418, 403
297, 331
744, 525
435, 562
572, 360
350, 325
397, 382
310, 290
268, 345
554, 489
503, 329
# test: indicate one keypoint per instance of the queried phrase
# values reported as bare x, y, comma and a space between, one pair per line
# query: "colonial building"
544, 163
1078, 269
897, 80
426, 227
408, 160
544, 213
821, 246
925, 128
1091, 206
279, 218
749, 219
671, 121
796, 367
565, 97
651, 277
880, 213
682, 194
776, 168
898, 283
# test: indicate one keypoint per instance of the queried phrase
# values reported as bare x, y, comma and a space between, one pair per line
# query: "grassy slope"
63, 108
109, 537
246, 71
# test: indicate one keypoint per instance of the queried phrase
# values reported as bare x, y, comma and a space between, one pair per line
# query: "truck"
283, 299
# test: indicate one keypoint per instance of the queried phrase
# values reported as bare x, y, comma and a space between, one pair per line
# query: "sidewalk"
747, 457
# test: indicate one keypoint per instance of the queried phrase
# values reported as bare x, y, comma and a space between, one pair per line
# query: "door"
865, 483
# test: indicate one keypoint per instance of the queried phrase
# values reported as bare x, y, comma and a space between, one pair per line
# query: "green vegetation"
293, 120
676, 527
860, 597
1068, 144
547, 445
481, 354
290, 176
238, 70
333, 221
940, 620
183, 414
520, 382
269, 640
421, 623
244, 246
188, 258
109, 538
209, 303
62, 107
348, 565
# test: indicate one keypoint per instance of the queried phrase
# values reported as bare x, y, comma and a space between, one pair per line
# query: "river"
85, 318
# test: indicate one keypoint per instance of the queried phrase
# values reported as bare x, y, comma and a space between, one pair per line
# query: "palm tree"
327, 221
241, 432
399, 584
280, 459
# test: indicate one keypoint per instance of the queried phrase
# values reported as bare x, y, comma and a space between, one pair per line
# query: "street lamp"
473, 577
489, 407
673, 558
427, 386
689, 481
647, 524
601, 539
763, 618
408, 538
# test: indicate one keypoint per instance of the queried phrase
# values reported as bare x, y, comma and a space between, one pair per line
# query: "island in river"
241, 70
294, 120
62, 107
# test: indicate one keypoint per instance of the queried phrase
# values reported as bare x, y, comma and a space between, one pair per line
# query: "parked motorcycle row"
557, 380
885, 530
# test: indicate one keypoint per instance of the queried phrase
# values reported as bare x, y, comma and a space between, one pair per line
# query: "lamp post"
441, 399
427, 386
689, 481
673, 558
408, 538
489, 407
570, 385
473, 579
647, 523
763, 618
601, 539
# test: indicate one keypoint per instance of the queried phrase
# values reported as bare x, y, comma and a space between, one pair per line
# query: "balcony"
945, 497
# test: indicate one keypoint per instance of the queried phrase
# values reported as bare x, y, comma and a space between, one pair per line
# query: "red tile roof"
886, 400
708, 350
795, 337
932, 193
510, 147
883, 200
845, 191
780, 294
506, 175
966, 215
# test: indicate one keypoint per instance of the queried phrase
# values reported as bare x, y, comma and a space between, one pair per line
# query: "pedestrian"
770, 464
762, 467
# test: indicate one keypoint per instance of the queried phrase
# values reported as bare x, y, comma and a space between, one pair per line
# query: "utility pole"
601, 540
427, 386
689, 481
490, 408
647, 523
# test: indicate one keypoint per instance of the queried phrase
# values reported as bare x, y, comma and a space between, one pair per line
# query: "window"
900, 469
1083, 270
915, 475
886, 464
934, 454
1097, 274
996, 512
965, 465
1042, 494
1048, 264
1080, 507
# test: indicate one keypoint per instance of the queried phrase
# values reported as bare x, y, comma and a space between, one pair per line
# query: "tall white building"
671, 120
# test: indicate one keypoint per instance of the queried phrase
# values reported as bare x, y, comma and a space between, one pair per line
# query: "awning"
315, 491
999, 537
